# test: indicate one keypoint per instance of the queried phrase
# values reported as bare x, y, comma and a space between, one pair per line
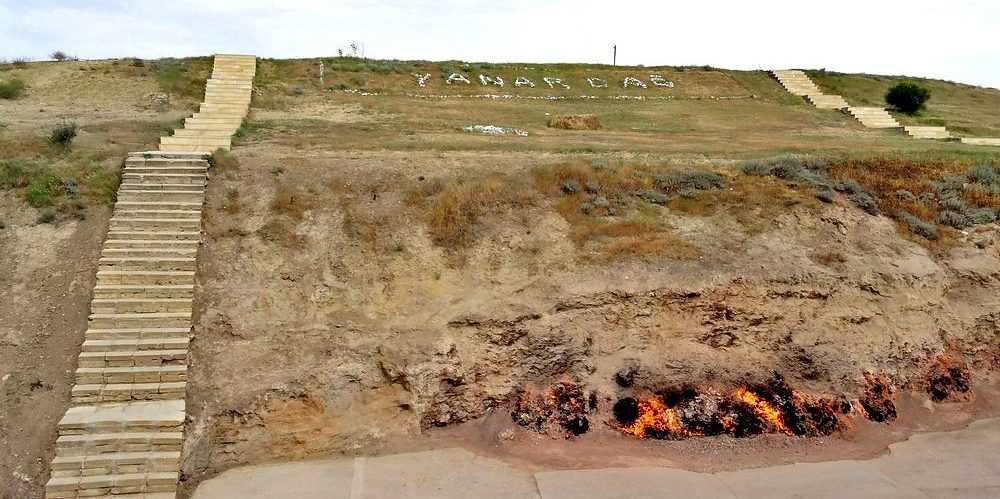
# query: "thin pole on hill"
614, 55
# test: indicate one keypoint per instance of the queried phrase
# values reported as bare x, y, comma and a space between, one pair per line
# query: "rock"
506, 435
600, 202
159, 101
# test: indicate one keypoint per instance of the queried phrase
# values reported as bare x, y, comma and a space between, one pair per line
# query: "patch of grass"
47, 217
11, 88
42, 190
102, 184
182, 77
453, 209
292, 202
224, 161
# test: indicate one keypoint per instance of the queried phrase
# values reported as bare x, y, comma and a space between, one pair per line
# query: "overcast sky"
950, 39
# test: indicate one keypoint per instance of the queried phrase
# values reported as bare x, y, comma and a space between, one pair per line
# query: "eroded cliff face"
344, 343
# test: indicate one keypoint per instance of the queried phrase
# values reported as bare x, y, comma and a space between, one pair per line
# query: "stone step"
135, 358
172, 214
149, 252
131, 321
112, 463
228, 128
136, 345
212, 134
190, 141
229, 83
143, 224
154, 235
220, 116
167, 170
144, 277
150, 186
981, 141
150, 205
165, 178
103, 443
166, 155
126, 392
112, 485
150, 243
165, 415
126, 375
163, 162
195, 148
139, 305
146, 264
149, 196
144, 291
827, 101
143, 333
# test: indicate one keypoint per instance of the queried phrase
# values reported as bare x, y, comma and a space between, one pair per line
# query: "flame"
764, 409
655, 415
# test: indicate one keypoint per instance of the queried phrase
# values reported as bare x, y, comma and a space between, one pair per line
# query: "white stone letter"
486, 80
555, 81
597, 82
635, 82
523, 82
458, 77
660, 81
422, 79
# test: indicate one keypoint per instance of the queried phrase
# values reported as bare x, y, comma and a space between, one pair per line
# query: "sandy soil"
348, 330
46, 278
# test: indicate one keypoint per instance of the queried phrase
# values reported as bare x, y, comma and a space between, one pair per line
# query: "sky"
956, 40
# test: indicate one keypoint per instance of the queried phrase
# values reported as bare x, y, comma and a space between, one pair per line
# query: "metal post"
614, 55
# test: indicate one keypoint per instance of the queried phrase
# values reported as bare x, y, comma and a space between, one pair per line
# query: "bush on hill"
11, 89
907, 97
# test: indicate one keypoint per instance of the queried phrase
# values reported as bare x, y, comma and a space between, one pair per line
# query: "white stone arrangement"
422, 79
495, 130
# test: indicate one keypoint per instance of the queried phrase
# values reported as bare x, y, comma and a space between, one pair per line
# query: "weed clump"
223, 160
63, 135
11, 89
575, 122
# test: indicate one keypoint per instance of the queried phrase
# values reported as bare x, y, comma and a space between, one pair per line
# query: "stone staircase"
927, 132
873, 117
798, 83
981, 141
227, 100
123, 432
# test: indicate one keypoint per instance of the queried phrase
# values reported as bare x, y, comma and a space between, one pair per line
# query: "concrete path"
963, 464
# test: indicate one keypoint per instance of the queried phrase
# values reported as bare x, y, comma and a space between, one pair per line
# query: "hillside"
377, 274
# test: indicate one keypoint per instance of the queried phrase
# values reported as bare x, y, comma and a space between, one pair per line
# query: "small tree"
907, 97
59, 55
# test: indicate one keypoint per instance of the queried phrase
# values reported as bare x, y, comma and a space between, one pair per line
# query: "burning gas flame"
764, 409
655, 416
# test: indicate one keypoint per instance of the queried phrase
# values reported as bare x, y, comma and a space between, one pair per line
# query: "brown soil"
46, 278
336, 323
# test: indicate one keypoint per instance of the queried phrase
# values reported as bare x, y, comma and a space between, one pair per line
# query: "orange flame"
764, 409
656, 416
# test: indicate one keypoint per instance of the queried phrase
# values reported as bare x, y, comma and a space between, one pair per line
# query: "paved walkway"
962, 464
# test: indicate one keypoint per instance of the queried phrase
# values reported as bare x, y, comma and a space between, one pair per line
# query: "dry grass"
575, 122
452, 210
292, 202
232, 204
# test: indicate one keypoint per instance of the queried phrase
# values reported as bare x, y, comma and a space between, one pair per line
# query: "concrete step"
158, 224
140, 333
139, 305
929, 132
111, 463
136, 345
126, 375
827, 101
134, 358
149, 205
165, 170
128, 483
126, 321
102, 443
193, 141
126, 392
211, 133
228, 128
194, 148
146, 264
126, 417
151, 186
144, 291
981, 141
149, 252
150, 243
166, 155
174, 214
149, 195
165, 178
157, 235
144, 278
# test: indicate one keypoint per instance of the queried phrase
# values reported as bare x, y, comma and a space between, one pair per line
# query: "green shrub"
42, 190
63, 135
918, 226
983, 174
11, 89
689, 180
13, 174
59, 55
907, 97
